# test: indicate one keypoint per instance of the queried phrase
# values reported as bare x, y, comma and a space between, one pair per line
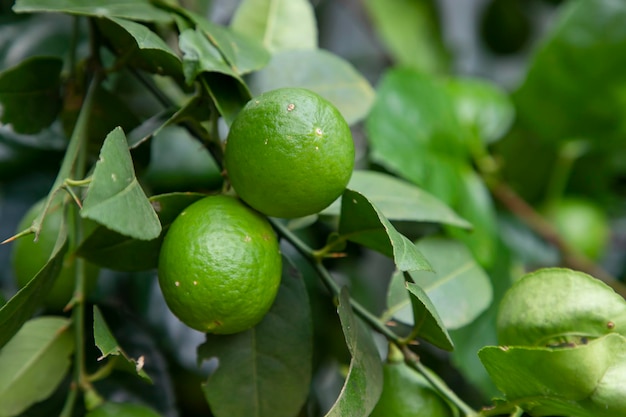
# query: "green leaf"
30, 94
141, 10
414, 132
280, 24
34, 363
575, 84
364, 382
562, 381
23, 305
115, 198
140, 46
410, 32
426, 319
459, 288
399, 200
482, 107
361, 222
112, 250
264, 371
105, 341
322, 72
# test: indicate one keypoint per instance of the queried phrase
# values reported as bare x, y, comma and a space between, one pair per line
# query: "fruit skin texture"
220, 266
407, 393
289, 153
28, 256
122, 410
582, 225
558, 305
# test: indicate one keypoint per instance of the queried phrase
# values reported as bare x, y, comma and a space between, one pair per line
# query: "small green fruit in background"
122, 410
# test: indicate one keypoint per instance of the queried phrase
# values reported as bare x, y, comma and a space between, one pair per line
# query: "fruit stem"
412, 360
329, 282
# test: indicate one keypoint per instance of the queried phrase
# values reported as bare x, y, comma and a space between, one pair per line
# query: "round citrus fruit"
289, 153
582, 224
29, 256
407, 393
220, 266
122, 410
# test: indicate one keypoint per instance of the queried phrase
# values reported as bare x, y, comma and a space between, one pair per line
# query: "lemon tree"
289, 153
275, 190
220, 266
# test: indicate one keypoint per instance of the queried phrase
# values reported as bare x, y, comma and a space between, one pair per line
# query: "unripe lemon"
29, 256
289, 153
220, 266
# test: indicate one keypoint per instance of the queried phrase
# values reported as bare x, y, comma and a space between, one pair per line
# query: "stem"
568, 154
413, 361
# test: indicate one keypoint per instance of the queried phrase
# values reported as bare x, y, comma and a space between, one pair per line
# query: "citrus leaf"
34, 363
322, 72
141, 10
112, 250
410, 32
281, 24
427, 321
30, 94
364, 382
414, 132
23, 305
264, 371
105, 341
361, 222
482, 107
399, 200
114, 189
561, 381
140, 46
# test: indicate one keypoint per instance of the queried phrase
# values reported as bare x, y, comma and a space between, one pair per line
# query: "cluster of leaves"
138, 98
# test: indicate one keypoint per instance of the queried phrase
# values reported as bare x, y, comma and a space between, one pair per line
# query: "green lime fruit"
29, 256
220, 266
582, 224
559, 307
289, 153
407, 393
109, 409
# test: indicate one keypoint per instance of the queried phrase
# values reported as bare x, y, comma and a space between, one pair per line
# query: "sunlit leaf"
280, 24
34, 363
264, 371
364, 381
30, 94
426, 319
363, 223
114, 189
322, 72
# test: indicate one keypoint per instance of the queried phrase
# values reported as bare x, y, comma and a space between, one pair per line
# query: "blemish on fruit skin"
610, 325
114, 177
319, 131
354, 201
290, 106
247, 239
266, 140
177, 283
195, 283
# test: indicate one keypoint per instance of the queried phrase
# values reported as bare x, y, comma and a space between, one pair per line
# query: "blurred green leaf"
399, 200
23, 305
410, 32
459, 288
363, 223
322, 72
30, 94
141, 10
562, 381
114, 190
364, 382
264, 371
105, 341
281, 24
426, 320
576, 85
414, 132
34, 363
140, 46
482, 107
109, 249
